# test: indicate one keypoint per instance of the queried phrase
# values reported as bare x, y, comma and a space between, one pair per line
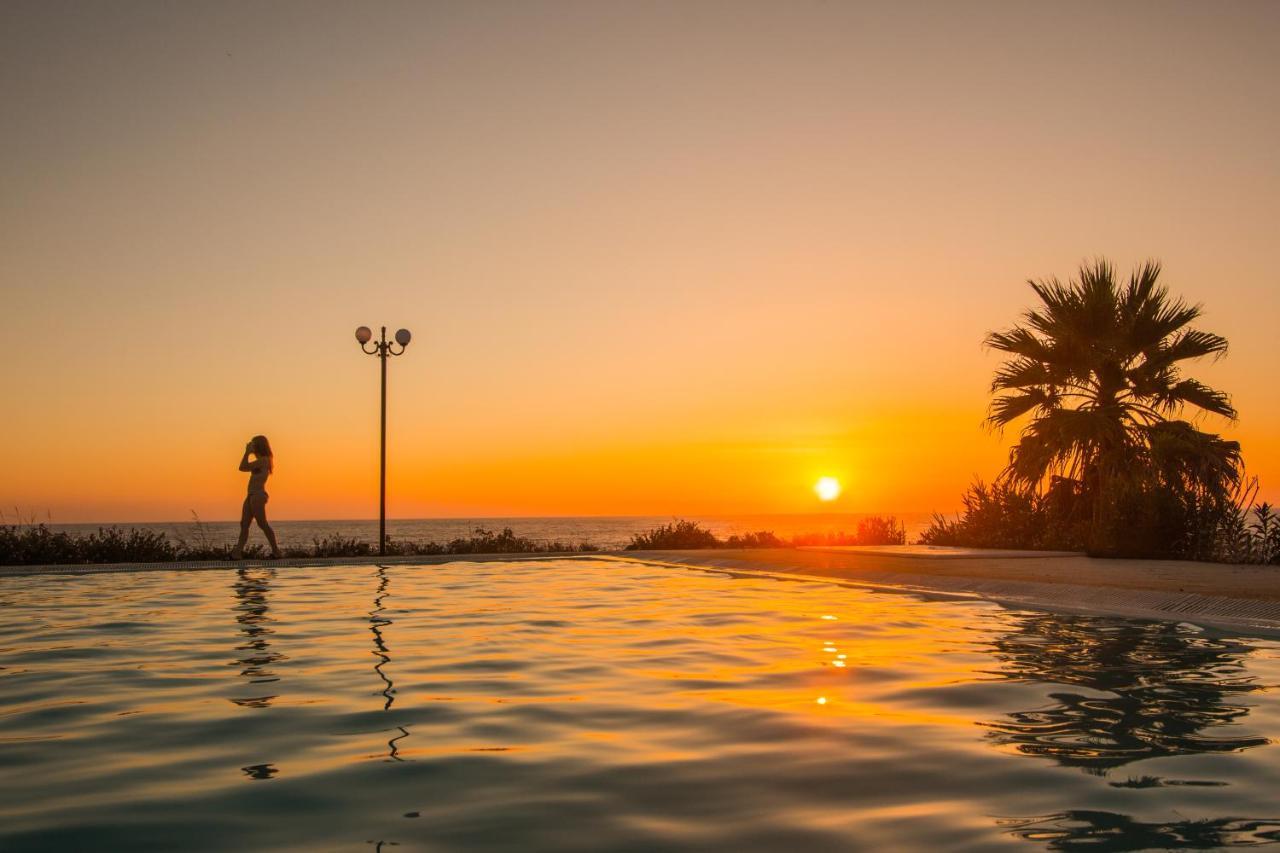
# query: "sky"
657, 258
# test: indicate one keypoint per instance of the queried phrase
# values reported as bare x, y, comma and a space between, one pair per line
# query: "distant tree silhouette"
1098, 368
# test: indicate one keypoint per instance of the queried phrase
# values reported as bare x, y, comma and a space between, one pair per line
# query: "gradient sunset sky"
657, 258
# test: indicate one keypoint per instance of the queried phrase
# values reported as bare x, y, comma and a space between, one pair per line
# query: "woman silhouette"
255, 503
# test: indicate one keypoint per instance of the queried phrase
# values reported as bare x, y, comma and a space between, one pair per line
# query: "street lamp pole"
383, 349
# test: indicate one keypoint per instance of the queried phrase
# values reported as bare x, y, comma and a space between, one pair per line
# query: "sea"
605, 532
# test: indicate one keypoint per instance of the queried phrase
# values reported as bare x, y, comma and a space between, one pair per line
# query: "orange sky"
658, 257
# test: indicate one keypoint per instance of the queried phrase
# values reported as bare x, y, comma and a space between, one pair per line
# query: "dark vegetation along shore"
1107, 460
37, 544
998, 516
687, 535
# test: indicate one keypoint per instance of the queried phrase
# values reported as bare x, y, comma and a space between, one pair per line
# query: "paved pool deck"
1239, 598
1236, 598
1049, 567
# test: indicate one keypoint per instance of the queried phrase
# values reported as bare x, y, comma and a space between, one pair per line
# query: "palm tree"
1098, 367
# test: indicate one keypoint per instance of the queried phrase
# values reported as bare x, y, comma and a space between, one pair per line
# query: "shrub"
1265, 533
335, 545
37, 544
1000, 516
881, 530
759, 539
506, 542
1136, 520
689, 535
116, 545
1249, 536
678, 535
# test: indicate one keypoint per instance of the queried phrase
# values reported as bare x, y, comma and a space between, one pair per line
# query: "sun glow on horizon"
828, 488
690, 293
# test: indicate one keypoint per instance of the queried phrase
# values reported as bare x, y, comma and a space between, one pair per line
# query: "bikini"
258, 482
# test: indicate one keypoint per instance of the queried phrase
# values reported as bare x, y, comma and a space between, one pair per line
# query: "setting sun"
828, 488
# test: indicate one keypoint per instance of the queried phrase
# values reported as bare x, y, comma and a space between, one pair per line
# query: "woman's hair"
262, 448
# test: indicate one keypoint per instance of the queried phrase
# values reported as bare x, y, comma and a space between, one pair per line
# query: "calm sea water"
597, 704
605, 531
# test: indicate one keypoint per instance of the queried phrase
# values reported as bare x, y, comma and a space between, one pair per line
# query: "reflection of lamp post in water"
376, 623
382, 349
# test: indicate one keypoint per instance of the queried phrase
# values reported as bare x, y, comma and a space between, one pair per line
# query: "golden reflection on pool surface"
602, 704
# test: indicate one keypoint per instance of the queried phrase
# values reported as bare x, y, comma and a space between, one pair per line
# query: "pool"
600, 704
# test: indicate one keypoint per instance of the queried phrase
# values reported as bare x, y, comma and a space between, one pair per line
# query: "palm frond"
1182, 455
1009, 407
1192, 392
1064, 439
1143, 284
1189, 344
1018, 341
1025, 372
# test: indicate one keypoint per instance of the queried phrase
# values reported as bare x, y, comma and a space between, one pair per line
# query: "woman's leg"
260, 515
246, 517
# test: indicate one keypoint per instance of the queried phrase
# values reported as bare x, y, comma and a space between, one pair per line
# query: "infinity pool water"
606, 705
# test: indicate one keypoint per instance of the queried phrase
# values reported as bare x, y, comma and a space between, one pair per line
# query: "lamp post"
383, 350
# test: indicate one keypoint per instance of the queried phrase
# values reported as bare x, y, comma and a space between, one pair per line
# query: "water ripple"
602, 705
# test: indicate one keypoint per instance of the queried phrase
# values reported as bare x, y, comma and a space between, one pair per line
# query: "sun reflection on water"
651, 696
